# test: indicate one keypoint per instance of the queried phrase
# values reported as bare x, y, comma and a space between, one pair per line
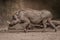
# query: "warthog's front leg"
26, 23
44, 24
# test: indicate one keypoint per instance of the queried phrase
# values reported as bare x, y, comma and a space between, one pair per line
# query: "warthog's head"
15, 19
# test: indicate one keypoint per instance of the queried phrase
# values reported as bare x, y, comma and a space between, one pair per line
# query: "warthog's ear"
8, 22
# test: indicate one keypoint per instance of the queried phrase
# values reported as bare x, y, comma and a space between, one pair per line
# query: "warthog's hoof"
43, 31
25, 30
55, 30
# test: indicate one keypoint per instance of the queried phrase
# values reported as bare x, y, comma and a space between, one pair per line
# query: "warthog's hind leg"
50, 22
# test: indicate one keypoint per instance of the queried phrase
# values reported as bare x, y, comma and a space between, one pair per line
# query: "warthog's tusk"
8, 22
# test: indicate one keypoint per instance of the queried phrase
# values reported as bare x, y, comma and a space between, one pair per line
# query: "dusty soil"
30, 36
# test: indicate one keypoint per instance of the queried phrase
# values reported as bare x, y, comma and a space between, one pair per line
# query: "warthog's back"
45, 14
35, 16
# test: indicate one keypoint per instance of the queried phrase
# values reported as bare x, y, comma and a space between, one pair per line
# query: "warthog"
33, 16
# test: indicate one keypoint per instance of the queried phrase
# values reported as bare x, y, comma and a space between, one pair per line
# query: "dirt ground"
30, 36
